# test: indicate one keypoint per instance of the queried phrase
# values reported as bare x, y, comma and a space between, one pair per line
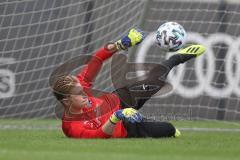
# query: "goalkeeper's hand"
128, 115
134, 37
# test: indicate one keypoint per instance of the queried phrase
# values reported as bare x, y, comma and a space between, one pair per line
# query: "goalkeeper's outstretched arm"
90, 71
88, 74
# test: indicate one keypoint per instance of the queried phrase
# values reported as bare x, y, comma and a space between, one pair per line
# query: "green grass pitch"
17, 142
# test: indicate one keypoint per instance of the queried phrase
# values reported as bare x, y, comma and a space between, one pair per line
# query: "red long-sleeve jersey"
89, 123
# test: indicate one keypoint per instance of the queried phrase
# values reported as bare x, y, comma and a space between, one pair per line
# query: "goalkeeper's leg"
151, 129
145, 89
161, 71
183, 55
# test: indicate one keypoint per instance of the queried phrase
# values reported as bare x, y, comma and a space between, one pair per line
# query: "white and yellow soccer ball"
171, 36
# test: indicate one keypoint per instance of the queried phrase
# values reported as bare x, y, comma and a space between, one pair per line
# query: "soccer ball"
171, 36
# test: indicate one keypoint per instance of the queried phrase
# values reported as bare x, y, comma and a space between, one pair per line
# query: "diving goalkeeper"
111, 115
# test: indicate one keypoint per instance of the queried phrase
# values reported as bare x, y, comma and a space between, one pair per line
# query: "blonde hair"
63, 85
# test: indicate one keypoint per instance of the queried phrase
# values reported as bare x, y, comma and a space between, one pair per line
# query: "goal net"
36, 37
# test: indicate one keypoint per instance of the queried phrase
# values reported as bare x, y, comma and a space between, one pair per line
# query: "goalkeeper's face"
75, 98
78, 98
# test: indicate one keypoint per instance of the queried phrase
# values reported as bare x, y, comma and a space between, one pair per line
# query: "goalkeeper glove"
134, 37
128, 115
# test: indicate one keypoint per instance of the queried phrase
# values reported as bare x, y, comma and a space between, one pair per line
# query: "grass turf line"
52, 144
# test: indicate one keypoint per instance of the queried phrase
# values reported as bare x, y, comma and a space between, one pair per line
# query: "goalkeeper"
111, 115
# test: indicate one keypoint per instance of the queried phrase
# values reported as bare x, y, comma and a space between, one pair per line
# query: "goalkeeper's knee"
133, 37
